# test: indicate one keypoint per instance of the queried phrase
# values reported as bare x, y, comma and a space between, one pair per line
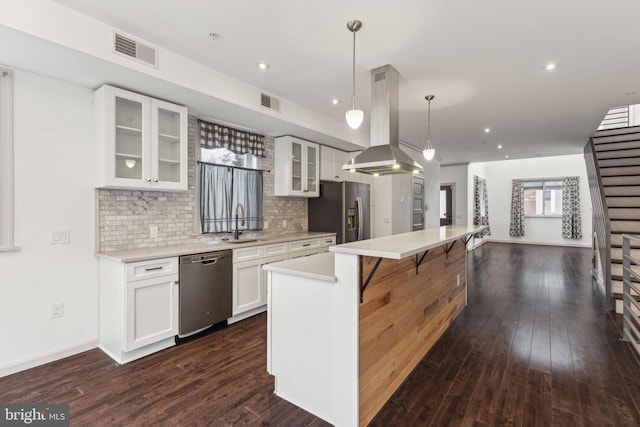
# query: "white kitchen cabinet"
250, 284
296, 167
138, 307
141, 142
152, 311
331, 162
249, 281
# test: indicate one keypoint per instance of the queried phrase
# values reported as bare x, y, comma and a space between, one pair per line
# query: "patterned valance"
213, 135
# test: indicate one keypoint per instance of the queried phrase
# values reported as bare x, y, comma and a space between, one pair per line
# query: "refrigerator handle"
360, 218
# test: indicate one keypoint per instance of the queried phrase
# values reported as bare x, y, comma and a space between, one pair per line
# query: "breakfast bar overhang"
347, 327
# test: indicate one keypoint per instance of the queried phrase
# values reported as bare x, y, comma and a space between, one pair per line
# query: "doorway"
417, 206
446, 204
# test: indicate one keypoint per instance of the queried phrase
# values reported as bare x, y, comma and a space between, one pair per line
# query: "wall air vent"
134, 49
270, 102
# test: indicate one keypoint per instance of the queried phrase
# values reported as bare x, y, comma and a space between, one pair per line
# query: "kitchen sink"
244, 241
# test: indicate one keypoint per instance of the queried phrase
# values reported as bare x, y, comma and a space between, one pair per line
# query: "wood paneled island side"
347, 327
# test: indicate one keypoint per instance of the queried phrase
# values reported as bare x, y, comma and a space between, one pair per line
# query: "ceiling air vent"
269, 102
136, 50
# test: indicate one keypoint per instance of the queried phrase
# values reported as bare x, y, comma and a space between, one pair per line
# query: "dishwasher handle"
207, 261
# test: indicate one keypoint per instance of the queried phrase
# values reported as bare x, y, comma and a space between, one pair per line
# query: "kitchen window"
230, 183
543, 198
6, 160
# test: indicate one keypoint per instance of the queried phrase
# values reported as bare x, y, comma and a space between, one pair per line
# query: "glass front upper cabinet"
142, 141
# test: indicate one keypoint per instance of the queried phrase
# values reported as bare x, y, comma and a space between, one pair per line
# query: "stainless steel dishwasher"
205, 290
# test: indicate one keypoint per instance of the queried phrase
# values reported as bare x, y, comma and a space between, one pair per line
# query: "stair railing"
630, 289
601, 224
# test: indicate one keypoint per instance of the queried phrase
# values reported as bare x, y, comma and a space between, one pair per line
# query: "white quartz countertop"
319, 267
133, 255
403, 245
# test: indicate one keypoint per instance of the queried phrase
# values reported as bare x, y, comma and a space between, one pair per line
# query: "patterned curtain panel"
222, 188
213, 135
480, 206
516, 229
215, 198
571, 219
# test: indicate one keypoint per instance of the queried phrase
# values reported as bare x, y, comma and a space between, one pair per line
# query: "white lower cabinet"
138, 307
250, 281
152, 311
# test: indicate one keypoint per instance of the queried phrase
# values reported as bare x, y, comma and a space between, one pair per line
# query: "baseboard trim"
50, 357
574, 245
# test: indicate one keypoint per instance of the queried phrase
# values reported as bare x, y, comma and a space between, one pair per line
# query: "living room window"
543, 197
6, 160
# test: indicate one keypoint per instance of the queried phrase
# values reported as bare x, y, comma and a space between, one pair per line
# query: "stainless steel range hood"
384, 155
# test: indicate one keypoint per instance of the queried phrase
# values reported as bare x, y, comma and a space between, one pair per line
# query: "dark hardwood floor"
535, 346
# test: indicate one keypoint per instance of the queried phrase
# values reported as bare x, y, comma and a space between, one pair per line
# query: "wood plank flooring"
535, 347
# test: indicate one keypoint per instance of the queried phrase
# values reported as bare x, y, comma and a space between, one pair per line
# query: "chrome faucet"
236, 232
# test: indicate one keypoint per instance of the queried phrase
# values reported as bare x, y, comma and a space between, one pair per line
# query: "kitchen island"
345, 328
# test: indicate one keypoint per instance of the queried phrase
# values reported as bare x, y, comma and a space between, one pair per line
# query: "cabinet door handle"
148, 179
306, 244
155, 179
153, 269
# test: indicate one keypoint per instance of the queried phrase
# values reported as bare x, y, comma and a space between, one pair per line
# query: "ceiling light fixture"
550, 66
428, 151
499, 147
487, 130
335, 101
214, 36
263, 65
355, 115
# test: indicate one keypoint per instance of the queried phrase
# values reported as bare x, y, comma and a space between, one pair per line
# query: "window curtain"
215, 198
222, 188
247, 186
571, 219
481, 206
213, 135
516, 229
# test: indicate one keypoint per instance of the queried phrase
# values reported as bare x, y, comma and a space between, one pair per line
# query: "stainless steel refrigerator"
343, 208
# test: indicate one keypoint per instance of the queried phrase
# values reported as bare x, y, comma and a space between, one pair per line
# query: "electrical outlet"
153, 231
57, 310
284, 223
265, 225
60, 237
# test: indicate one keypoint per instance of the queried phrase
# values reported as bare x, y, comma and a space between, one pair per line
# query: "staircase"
617, 153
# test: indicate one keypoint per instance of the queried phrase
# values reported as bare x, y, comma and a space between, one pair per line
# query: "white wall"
457, 177
537, 230
53, 141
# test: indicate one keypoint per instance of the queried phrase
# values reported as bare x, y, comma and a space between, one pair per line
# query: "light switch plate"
60, 237
153, 231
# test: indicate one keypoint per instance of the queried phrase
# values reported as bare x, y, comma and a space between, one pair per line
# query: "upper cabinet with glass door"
141, 141
296, 167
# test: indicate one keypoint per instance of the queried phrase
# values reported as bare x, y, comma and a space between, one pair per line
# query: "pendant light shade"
355, 115
428, 151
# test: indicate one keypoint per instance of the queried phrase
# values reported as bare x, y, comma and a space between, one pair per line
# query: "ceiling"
483, 61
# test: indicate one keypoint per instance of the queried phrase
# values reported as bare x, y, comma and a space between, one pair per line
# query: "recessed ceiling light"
263, 65
506, 156
499, 147
487, 130
550, 66
335, 101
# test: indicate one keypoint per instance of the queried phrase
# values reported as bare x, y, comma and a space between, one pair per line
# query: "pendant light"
355, 115
428, 151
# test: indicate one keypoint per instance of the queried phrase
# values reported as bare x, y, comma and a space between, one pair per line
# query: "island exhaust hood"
384, 156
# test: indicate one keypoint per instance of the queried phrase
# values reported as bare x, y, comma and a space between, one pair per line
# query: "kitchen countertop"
319, 267
143, 254
400, 246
